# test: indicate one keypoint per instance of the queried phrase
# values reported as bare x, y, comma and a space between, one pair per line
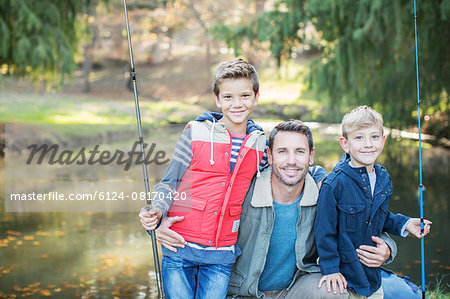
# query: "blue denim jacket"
347, 217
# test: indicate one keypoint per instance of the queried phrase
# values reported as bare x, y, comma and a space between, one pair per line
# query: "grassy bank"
167, 95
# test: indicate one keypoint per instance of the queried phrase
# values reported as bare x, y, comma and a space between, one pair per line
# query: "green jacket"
255, 230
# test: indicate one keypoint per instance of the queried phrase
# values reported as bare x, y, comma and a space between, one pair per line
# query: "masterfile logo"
86, 168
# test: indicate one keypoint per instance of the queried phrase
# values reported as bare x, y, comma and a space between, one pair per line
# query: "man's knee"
323, 293
306, 287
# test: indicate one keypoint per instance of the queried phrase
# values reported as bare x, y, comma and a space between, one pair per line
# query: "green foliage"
277, 28
367, 53
369, 57
38, 38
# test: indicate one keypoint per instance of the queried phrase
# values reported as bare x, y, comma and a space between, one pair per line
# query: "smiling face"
236, 99
290, 157
364, 146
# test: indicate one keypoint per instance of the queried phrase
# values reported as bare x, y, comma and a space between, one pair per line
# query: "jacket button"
209, 242
365, 188
241, 155
226, 154
352, 210
215, 213
223, 183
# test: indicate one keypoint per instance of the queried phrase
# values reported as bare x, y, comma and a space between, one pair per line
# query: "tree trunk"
208, 62
88, 50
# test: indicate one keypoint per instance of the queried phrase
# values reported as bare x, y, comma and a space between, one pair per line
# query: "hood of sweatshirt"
215, 117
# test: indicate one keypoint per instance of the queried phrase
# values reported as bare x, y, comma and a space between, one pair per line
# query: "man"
276, 234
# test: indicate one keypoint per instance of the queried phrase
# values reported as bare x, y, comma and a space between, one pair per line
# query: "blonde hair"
361, 117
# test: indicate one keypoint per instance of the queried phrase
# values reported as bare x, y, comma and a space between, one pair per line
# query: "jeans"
397, 287
187, 279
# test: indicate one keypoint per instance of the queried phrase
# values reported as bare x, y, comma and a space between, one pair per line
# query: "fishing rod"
421, 187
144, 165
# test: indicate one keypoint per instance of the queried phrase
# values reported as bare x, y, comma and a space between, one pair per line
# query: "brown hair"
292, 125
235, 69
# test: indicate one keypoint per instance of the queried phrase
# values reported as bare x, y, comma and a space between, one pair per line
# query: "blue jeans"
397, 287
187, 279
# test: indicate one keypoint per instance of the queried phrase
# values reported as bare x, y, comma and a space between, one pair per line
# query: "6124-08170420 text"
97, 195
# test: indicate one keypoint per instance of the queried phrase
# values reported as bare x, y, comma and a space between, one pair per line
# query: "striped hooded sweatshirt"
199, 185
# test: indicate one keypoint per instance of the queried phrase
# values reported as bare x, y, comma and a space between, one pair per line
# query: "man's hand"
169, 238
333, 281
413, 227
149, 217
372, 256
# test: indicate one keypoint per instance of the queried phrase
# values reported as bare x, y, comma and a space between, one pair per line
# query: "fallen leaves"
61, 234
4, 243
13, 233
6, 270
32, 289
45, 234
14, 236
45, 293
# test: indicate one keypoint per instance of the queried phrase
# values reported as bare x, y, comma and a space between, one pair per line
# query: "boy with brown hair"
215, 159
353, 208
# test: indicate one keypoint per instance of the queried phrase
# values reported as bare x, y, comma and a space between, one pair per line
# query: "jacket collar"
215, 117
262, 194
357, 174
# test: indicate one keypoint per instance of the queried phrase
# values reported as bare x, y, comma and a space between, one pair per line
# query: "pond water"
108, 255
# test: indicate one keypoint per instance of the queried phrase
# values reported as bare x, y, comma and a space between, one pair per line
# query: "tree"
369, 58
91, 33
278, 28
205, 14
38, 38
367, 53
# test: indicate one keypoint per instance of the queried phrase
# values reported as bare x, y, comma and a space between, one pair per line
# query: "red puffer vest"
214, 196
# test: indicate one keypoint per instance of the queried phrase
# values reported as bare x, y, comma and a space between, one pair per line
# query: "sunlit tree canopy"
367, 53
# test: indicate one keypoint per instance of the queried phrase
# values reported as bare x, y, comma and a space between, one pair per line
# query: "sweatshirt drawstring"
211, 161
258, 174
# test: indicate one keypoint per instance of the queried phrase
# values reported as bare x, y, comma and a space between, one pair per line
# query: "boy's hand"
333, 281
150, 217
413, 227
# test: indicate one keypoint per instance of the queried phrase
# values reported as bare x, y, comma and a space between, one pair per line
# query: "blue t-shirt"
281, 261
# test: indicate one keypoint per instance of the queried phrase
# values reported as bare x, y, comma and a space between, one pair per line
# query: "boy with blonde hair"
353, 208
214, 162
